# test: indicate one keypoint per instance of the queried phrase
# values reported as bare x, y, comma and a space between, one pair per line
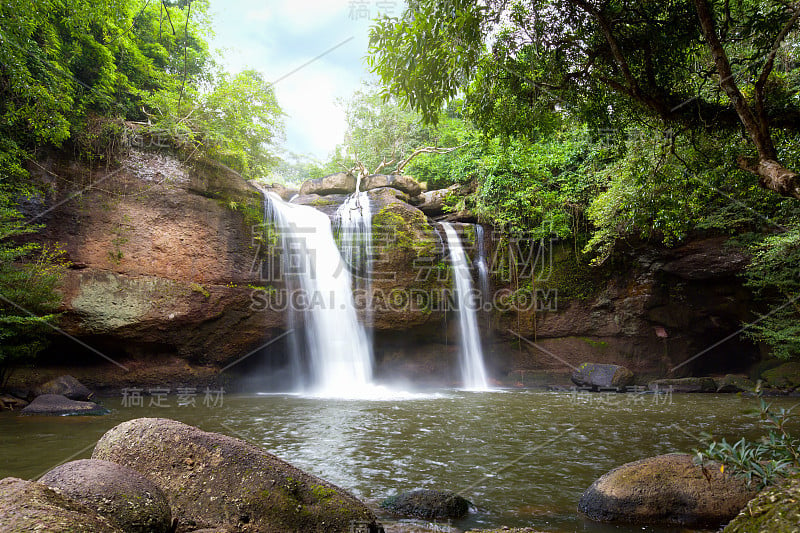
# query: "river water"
522, 457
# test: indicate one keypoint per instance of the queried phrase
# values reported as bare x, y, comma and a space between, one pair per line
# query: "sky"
312, 50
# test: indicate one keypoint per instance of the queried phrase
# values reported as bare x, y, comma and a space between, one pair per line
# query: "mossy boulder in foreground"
212, 480
600, 376
119, 493
29, 506
666, 489
786, 376
774, 510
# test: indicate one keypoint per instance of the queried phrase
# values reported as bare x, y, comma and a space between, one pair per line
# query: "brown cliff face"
162, 266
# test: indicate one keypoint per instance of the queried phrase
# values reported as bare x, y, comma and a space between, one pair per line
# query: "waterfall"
483, 268
354, 224
319, 283
470, 354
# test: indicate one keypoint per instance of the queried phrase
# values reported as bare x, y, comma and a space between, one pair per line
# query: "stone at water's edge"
29, 506
124, 496
600, 376
57, 405
65, 386
427, 504
666, 489
774, 510
786, 376
734, 383
684, 385
212, 480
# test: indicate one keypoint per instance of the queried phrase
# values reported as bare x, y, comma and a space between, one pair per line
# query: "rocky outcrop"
29, 506
122, 495
599, 376
213, 480
667, 489
11, 403
433, 202
773, 510
427, 504
163, 266
340, 183
65, 386
733, 383
405, 184
57, 405
684, 385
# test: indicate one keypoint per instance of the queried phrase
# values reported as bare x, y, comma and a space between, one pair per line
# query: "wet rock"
406, 184
339, 183
284, 192
684, 385
215, 481
786, 376
733, 383
427, 504
29, 506
600, 376
57, 405
65, 386
773, 510
12, 403
667, 489
124, 496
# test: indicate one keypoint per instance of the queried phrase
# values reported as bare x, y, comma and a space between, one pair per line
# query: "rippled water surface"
522, 457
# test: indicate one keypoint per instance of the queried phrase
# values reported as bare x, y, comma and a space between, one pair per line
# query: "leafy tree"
685, 63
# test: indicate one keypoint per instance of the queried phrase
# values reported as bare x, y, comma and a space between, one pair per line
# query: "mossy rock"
602, 376
212, 480
774, 510
786, 376
666, 489
733, 383
684, 385
29, 506
427, 504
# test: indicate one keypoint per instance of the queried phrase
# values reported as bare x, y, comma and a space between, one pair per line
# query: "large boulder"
734, 383
433, 201
599, 376
427, 504
666, 489
339, 183
406, 184
786, 376
57, 405
774, 510
29, 506
124, 496
212, 480
684, 385
65, 386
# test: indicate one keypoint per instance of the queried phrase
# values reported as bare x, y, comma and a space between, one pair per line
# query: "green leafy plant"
773, 457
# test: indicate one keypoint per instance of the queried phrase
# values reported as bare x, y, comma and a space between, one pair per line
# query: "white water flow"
470, 353
354, 224
339, 356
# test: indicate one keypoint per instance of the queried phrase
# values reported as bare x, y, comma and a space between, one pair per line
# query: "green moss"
399, 232
196, 287
322, 202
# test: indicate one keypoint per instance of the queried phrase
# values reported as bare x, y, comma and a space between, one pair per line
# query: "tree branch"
425, 150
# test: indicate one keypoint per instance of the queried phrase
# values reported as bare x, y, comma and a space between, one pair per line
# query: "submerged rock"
30, 506
121, 494
215, 481
65, 386
774, 510
666, 489
427, 504
57, 405
684, 385
600, 376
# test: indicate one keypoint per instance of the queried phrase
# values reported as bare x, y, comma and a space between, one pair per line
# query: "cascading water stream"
483, 269
354, 224
339, 355
470, 353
